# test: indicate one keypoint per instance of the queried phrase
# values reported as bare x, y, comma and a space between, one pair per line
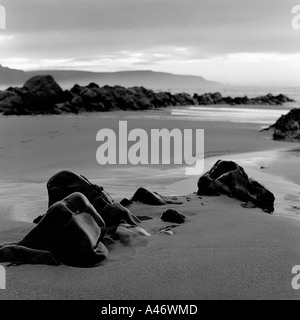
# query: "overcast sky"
246, 42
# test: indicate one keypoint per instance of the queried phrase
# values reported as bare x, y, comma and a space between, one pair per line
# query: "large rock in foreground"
227, 177
72, 230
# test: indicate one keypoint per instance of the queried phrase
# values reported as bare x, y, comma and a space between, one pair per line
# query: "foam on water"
228, 114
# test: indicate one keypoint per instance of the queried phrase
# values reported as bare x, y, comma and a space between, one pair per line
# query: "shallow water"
231, 114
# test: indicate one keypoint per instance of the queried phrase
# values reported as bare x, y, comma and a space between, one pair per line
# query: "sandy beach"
223, 251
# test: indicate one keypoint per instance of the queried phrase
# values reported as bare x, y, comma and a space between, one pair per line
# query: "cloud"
128, 34
118, 60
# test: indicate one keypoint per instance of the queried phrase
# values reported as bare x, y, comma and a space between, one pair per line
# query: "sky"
238, 42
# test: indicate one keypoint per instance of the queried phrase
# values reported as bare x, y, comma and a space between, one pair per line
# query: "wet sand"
223, 251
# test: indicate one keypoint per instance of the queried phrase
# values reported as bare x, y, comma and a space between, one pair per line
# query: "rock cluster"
216, 98
83, 222
227, 177
42, 95
287, 127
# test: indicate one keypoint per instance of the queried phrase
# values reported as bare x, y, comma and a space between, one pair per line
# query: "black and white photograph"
149, 151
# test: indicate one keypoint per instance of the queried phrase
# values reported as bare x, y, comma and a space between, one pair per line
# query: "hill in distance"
145, 78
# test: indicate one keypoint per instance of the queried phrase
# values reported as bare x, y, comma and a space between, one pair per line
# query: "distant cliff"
149, 79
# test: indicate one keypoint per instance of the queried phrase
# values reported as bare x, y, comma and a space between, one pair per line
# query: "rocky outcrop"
216, 98
287, 127
42, 95
227, 177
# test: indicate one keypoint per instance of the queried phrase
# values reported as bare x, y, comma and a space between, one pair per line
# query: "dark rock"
148, 197
93, 85
42, 93
64, 183
11, 103
88, 95
173, 216
241, 100
125, 202
68, 95
205, 99
227, 177
38, 95
76, 89
72, 230
60, 108
217, 98
287, 127
77, 100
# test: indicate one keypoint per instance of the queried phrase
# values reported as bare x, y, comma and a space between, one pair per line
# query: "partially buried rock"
227, 177
173, 216
168, 229
146, 196
72, 230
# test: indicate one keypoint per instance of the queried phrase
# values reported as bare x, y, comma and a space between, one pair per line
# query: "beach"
222, 251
